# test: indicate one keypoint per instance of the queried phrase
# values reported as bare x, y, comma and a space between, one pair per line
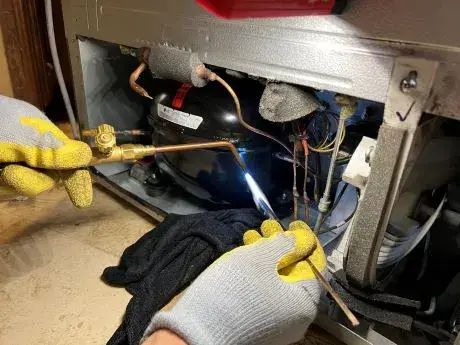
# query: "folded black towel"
167, 259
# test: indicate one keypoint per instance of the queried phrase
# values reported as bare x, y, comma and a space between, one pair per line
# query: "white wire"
394, 249
58, 70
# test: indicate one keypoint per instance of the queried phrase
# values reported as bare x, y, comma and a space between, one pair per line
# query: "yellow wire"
325, 149
331, 144
322, 147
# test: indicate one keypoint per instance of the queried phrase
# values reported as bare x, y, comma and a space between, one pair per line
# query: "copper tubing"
305, 178
134, 132
295, 193
144, 54
319, 276
132, 152
205, 73
208, 145
133, 78
354, 321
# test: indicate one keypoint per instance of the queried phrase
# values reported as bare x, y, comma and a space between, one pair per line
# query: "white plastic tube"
58, 70
324, 201
395, 249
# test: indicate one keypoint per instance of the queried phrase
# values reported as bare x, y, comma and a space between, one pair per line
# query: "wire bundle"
395, 248
306, 132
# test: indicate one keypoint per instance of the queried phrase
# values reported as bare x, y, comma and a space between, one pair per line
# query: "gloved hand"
260, 293
27, 136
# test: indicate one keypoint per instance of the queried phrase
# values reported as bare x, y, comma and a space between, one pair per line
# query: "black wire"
345, 221
317, 172
434, 331
336, 202
331, 120
338, 225
289, 159
342, 161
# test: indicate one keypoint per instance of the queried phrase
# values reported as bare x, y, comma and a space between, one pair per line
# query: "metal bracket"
403, 118
408, 91
365, 336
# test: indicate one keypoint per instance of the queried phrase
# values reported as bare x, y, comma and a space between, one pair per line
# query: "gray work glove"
260, 293
36, 155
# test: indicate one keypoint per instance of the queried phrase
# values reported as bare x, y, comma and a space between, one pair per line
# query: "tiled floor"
51, 257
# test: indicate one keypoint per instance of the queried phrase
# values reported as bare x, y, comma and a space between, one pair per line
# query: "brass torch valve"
106, 149
104, 138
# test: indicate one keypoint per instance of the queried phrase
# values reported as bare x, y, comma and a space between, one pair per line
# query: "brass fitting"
123, 153
105, 139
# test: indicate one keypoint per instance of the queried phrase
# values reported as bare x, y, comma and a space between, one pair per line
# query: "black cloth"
168, 258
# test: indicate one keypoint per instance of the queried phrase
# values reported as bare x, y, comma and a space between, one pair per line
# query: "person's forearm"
164, 337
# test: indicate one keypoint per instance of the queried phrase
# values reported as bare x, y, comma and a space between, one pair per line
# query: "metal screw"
410, 82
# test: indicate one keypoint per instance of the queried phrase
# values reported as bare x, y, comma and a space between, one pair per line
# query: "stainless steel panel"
352, 53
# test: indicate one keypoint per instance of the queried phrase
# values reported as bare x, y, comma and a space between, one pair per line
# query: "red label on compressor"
178, 100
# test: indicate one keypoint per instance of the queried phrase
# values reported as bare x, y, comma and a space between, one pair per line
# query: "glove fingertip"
251, 236
27, 181
74, 154
85, 153
298, 225
270, 227
79, 187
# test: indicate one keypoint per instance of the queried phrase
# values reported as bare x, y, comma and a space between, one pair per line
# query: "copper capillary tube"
319, 276
349, 314
133, 80
295, 193
205, 73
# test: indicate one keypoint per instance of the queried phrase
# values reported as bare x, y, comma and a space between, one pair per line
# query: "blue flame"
259, 197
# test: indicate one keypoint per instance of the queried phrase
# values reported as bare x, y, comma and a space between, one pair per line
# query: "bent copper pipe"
202, 72
132, 152
207, 145
133, 81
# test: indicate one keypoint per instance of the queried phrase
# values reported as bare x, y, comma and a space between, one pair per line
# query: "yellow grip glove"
28, 137
259, 293
292, 266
